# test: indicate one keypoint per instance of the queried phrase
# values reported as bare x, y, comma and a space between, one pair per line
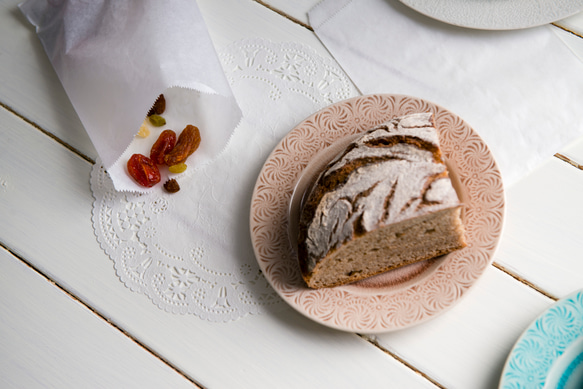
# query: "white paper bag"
115, 57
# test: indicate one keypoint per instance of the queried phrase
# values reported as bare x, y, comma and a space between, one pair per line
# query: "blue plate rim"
574, 297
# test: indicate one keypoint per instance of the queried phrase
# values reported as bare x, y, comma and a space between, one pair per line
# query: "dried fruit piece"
165, 142
157, 120
171, 186
188, 142
144, 131
143, 170
178, 168
159, 106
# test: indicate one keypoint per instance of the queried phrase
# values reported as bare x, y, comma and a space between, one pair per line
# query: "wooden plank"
467, 346
541, 246
277, 349
50, 340
542, 237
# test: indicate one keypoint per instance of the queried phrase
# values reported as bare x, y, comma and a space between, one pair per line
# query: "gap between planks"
101, 316
567, 30
49, 134
281, 13
373, 340
571, 162
525, 282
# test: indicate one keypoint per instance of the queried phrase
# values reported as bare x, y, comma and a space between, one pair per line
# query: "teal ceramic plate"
549, 354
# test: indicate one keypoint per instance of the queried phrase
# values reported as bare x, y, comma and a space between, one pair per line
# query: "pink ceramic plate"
399, 298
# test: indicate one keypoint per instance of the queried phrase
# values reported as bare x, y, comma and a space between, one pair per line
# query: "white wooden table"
66, 321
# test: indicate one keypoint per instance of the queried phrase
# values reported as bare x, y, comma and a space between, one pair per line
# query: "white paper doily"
190, 252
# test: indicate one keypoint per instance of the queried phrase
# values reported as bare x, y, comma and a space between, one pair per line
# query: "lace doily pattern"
402, 297
190, 252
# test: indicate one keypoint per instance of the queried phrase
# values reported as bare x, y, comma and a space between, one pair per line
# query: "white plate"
497, 14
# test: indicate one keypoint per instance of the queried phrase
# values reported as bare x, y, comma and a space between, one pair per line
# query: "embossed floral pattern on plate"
534, 357
400, 298
496, 15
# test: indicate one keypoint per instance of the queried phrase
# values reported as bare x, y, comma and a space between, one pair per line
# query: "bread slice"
386, 201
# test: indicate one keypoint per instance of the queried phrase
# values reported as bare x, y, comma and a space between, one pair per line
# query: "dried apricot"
143, 170
165, 142
159, 106
187, 143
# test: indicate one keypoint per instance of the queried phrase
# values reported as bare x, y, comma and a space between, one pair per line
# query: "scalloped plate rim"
498, 20
382, 329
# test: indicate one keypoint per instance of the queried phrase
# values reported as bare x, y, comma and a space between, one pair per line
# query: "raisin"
159, 106
165, 142
143, 170
171, 186
187, 143
178, 168
144, 131
157, 120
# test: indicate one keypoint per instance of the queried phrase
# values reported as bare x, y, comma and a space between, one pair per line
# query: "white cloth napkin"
115, 57
521, 90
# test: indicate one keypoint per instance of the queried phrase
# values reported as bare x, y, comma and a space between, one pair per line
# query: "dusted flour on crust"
386, 201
